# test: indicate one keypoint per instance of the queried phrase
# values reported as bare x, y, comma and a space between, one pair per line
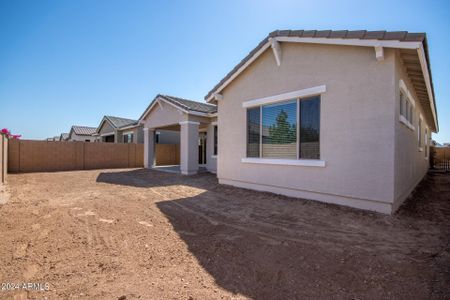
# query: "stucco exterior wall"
164, 115
357, 134
411, 164
211, 159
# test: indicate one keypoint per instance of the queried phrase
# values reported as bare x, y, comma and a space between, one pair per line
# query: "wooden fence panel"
440, 158
44, 156
139, 156
13, 156
167, 154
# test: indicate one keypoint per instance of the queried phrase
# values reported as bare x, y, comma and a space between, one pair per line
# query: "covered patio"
195, 121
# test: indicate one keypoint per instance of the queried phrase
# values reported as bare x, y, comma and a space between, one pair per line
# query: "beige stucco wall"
357, 131
164, 115
211, 160
411, 165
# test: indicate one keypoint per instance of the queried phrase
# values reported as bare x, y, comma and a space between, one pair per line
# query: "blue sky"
71, 62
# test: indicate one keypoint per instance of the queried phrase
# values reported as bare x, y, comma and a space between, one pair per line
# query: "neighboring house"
64, 137
119, 130
194, 122
341, 117
81, 134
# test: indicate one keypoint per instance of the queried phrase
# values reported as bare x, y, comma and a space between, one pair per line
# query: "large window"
215, 140
288, 130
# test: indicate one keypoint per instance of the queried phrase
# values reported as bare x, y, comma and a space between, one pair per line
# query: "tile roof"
190, 104
118, 122
403, 36
83, 130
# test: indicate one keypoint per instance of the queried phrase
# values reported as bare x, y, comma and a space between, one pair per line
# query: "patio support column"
189, 147
149, 147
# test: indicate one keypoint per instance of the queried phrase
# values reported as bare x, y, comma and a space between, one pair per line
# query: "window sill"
285, 162
214, 156
406, 123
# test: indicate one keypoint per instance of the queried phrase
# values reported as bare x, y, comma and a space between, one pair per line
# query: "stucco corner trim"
285, 162
317, 90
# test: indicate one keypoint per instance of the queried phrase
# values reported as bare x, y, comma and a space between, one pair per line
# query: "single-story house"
342, 117
64, 137
119, 130
81, 134
194, 122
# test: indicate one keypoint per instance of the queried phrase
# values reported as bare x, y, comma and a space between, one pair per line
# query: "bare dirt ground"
129, 234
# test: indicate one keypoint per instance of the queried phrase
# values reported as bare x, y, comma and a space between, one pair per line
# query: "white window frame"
297, 95
419, 133
127, 133
409, 108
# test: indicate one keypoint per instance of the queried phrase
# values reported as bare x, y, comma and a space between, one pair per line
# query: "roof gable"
377, 39
82, 130
184, 105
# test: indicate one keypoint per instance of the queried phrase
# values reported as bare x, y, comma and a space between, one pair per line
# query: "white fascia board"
129, 127
426, 75
317, 90
108, 133
285, 162
189, 122
242, 68
352, 42
347, 42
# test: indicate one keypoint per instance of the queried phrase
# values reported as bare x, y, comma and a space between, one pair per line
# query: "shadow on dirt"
267, 246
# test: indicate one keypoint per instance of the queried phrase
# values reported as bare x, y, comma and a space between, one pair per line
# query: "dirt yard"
139, 234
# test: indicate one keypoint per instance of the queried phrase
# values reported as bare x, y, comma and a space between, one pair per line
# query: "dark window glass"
128, 138
279, 130
215, 140
310, 128
253, 131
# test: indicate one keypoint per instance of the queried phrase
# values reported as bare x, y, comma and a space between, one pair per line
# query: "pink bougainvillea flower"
6, 131
16, 136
